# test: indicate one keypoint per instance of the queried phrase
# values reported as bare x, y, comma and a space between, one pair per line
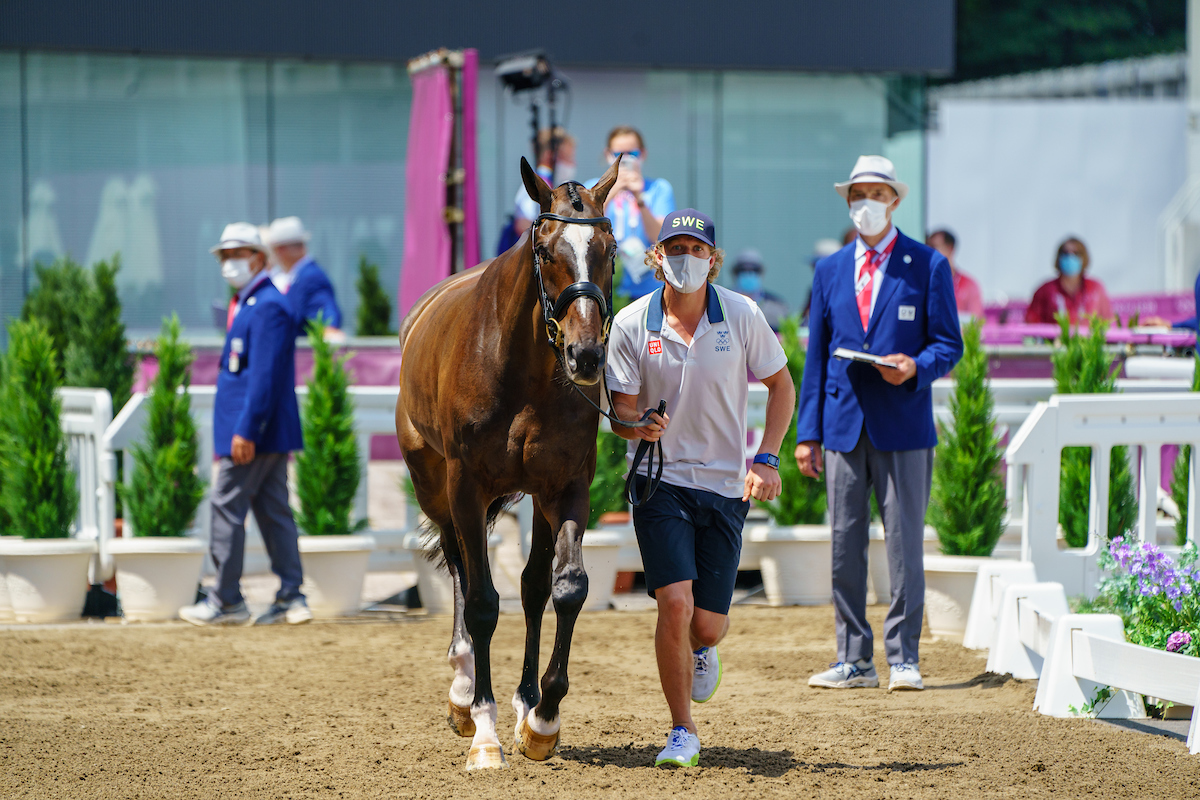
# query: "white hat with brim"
239, 234
286, 230
873, 169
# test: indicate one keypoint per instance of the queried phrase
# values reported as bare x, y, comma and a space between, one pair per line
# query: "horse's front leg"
538, 737
535, 591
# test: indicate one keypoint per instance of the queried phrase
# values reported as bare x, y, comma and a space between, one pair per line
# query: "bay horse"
487, 410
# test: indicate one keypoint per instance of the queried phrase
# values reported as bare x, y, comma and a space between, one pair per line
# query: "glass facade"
151, 156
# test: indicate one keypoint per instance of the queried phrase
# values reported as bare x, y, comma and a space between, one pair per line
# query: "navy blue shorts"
691, 535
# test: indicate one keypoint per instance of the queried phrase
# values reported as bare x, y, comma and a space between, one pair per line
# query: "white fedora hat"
286, 230
873, 169
239, 234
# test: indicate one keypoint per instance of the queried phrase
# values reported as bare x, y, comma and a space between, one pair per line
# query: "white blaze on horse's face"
579, 237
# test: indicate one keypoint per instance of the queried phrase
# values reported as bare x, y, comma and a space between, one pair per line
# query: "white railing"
86, 413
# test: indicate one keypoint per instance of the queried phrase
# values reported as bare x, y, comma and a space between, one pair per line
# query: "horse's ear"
538, 191
604, 185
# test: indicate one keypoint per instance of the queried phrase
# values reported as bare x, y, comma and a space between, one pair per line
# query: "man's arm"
943, 342
625, 407
762, 481
810, 413
271, 332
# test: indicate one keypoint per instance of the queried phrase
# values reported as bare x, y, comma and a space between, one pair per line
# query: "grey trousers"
260, 485
901, 479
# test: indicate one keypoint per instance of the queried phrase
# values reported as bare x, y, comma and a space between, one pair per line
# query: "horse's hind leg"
537, 737
535, 591
461, 656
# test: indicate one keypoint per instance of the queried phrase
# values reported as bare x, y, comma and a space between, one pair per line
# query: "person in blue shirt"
256, 423
301, 278
637, 206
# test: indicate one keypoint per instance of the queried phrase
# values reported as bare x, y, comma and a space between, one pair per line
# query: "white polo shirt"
704, 384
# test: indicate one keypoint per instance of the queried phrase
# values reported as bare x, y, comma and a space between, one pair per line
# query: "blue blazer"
256, 391
311, 293
915, 314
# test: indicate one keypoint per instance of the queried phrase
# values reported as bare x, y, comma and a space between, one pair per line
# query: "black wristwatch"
770, 459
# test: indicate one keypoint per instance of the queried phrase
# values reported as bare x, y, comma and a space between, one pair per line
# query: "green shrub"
327, 470
166, 488
967, 501
59, 300
802, 501
1083, 366
607, 491
374, 304
39, 493
98, 355
1179, 475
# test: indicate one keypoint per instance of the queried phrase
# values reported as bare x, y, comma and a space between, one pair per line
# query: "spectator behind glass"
1072, 291
637, 206
563, 170
748, 280
821, 249
966, 290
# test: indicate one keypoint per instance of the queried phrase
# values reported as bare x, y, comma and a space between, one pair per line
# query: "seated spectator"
748, 280
1072, 291
966, 290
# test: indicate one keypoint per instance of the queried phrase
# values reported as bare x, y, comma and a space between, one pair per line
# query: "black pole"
24, 114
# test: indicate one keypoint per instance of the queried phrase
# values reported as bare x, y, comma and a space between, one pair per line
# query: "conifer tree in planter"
47, 570
58, 301
374, 305
1179, 475
97, 354
327, 477
158, 567
1083, 366
607, 492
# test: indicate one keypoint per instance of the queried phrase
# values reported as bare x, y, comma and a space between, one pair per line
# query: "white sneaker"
293, 612
209, 613
682, 750
844, 675
706, 674
905, 677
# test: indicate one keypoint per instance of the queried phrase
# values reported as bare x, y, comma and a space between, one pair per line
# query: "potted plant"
327, 476
374, 305
967, 500
47, 570
794, 551
602, 547
157, 563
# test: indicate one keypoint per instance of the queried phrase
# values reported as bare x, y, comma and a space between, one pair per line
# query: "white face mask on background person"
563, 172
869, 216
236, 271
685, 273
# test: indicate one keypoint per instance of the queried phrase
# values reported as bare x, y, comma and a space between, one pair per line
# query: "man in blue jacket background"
256, 423
308, 289
887, 295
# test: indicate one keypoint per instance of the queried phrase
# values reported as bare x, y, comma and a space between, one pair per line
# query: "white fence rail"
86, 414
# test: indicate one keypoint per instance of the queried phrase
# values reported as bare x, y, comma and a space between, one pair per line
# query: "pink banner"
426, 235
470, 159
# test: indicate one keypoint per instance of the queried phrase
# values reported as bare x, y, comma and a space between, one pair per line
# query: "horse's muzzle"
584, 363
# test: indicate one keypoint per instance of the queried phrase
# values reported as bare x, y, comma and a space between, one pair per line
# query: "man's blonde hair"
651, 261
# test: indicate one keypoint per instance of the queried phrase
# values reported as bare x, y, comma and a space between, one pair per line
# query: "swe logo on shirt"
723, 342
655, 347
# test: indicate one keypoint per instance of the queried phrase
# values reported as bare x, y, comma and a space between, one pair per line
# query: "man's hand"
243, 450
654, 432
762, 483
907, 369
809, 459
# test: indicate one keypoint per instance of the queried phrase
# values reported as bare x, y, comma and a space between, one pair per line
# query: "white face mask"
685, 273
563, 172
236, 271
869, 216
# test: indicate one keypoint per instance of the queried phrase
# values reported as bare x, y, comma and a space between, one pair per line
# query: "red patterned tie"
867, 281
231, 313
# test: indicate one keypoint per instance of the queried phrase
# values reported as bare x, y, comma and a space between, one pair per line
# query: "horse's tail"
431, 532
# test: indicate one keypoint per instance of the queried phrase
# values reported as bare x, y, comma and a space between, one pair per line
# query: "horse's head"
575, 260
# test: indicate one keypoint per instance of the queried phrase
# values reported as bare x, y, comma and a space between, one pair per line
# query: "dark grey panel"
911, 36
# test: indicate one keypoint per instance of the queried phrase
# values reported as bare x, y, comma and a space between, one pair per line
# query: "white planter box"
949, 585
601, 551
795, 563
47, 579
433, 581
156, 575
334, 569
6, 612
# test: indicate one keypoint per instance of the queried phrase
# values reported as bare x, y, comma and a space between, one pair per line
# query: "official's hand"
243, 450
809, 459
762, 483
908, 368
652, 433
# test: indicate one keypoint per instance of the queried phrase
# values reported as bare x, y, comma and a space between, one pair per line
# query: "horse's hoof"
534, 745
460, 720
486, 756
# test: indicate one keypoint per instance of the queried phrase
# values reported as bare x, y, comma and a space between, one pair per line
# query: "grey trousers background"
260, 485
901, 479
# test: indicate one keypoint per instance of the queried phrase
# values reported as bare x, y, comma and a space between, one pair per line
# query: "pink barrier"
470, 159
1016, 334
1172, 307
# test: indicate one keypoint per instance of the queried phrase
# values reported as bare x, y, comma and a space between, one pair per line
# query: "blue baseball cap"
689, 222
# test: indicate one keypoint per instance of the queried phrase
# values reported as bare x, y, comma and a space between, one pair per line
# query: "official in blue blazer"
301, 278
882, 295
256, 423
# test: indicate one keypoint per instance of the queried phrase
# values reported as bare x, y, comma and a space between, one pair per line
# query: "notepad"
866, 358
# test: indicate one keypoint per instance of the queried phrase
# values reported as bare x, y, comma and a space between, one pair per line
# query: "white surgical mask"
236, 271
564, 171
685, 273
869, 216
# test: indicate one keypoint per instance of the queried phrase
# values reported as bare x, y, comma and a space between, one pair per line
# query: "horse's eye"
542, 252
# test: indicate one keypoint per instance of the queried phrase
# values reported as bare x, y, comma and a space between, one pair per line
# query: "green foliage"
374, 304
802, 500
1179, 475
967, 502
1083, 366
607, 491
166, 489
999, 38
327, 470
39, 494
58, 301
1157, 597
99, 355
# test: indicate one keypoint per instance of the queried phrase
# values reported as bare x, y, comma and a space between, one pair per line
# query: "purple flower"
1177, 641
